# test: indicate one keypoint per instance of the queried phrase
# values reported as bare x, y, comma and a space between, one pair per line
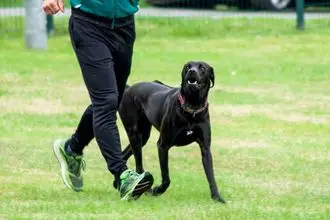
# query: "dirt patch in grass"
291, 107
275, 112
281, 92
281, 187
238, 143
36, 105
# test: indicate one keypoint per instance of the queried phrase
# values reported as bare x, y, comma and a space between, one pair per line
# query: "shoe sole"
63, 166
139, 187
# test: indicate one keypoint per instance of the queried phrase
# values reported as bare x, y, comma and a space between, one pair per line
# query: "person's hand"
53, 6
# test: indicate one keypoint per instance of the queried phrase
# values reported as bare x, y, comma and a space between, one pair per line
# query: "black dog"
180, 115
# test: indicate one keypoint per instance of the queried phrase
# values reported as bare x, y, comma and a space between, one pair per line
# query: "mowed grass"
269, 115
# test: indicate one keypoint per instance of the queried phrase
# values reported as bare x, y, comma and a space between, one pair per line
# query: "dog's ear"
212, 77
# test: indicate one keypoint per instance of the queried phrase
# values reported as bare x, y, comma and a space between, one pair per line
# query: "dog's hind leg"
145, 137
137, 127
127, 152
138, 132
138, 139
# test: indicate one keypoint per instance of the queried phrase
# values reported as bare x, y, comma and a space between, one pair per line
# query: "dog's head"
197, 77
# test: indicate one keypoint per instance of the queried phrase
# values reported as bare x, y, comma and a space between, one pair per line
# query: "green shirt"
107, 8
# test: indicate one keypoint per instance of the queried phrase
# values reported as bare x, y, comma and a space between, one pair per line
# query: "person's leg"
122, 66
97, 65
83, 134
122, 58
69, 152
95, 56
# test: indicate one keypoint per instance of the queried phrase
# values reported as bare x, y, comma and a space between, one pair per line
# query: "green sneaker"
71, 166
133, 185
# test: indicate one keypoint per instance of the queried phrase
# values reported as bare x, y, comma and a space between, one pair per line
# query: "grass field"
269, 113
142, 3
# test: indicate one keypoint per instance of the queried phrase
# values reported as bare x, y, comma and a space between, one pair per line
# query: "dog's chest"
184, 137
184, 130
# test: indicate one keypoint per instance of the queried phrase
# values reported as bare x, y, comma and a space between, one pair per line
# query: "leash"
190, 110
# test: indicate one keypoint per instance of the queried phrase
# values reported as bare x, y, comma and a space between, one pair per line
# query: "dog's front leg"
163, 161
163, 145
205, 146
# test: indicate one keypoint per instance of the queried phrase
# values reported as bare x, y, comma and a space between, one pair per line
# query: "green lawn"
11, 3
269, 113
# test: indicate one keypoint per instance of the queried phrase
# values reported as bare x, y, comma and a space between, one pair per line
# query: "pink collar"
189, 110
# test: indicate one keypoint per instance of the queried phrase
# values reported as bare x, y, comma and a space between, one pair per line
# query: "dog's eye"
203, 68
187, 67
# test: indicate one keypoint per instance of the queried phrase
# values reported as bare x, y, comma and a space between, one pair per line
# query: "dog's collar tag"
189, 132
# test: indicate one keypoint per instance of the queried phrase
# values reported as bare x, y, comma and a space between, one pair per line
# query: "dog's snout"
192, 71
192, 77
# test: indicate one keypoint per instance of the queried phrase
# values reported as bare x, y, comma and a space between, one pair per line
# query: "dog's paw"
219, 199
114, 184
156, 191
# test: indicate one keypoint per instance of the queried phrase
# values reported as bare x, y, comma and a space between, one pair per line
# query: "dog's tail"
159, 82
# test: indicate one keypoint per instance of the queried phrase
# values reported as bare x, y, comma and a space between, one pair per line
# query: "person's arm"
53, 6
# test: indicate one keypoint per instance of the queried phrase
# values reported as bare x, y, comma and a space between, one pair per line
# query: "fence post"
300, 4
50, 25
35, 25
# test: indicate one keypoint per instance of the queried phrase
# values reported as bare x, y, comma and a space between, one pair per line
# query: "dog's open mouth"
192, 82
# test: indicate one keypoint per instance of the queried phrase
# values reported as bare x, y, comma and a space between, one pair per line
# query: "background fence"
12, 11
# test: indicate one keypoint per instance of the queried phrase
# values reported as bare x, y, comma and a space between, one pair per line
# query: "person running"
102, 34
